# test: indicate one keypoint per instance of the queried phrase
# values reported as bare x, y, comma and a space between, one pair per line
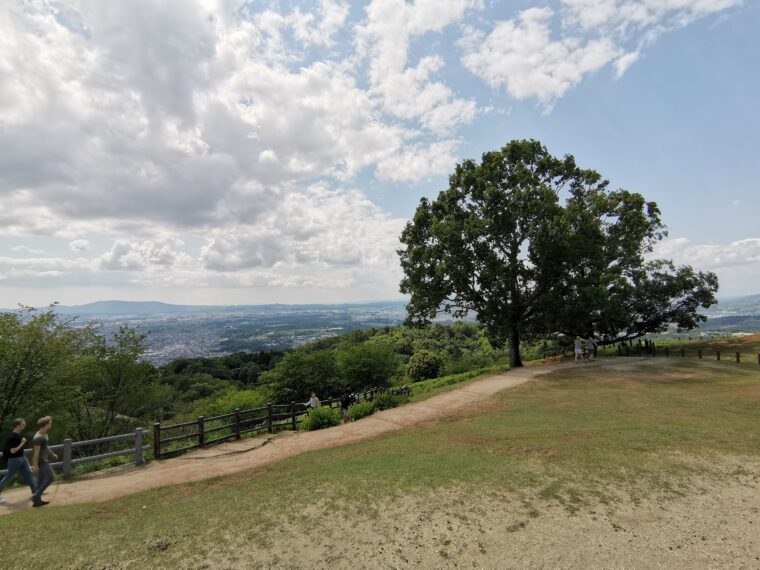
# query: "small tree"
423, 365
109, 388
32, 346
371, 363
299, 373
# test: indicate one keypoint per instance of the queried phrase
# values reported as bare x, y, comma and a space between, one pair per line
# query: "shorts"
578, 351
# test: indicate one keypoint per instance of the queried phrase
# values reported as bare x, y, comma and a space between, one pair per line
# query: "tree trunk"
514, 347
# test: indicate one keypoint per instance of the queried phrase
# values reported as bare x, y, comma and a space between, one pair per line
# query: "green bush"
226, 402
321, 418
386, 401
423, 364
361, 410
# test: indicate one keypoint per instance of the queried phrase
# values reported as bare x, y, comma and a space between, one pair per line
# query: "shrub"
226, 402
321, 418
423, 364
386, 401
361, 410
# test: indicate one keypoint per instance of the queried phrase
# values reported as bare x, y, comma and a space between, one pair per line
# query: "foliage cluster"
361, 410
321, 418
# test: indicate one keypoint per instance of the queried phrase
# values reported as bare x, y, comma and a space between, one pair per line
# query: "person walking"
41, 456
591, 343
13, 450
578, 348
345, 402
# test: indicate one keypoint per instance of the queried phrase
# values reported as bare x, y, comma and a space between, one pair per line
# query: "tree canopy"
533, 244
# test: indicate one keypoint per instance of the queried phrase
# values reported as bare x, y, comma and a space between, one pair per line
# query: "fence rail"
265, 419
66, 456
269, 418
651, 348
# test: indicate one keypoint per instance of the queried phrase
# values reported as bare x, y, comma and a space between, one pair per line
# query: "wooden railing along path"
651, 348
171, 440
67, 460
174, 439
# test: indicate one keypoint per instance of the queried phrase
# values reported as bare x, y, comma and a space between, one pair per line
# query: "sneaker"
40, 503
2, 501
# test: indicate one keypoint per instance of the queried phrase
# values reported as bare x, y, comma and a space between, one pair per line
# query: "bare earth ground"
249, 454
710, 528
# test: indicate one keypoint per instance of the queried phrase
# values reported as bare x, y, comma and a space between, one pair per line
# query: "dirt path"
253, 453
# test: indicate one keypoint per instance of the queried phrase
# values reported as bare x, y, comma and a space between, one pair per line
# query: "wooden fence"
174, 439
171, 440
649, 347
72, 453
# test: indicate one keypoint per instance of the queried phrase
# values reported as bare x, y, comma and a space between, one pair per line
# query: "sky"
232, 152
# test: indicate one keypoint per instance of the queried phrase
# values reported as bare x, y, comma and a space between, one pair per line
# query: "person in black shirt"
13, 450
345, 401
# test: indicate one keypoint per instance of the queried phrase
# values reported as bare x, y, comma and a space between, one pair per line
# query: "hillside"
630, 462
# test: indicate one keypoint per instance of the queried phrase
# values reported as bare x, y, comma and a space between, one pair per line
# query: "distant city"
208, 330
192, 330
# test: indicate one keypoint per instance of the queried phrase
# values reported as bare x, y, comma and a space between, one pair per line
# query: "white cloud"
521, 56
79, 245
27, 250
737, 263
625, 16
420, 161
409, 92
528, 58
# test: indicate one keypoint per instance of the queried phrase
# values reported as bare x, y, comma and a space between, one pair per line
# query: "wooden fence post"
717, 355
237, 423
293, 415
201, 431
157, 440
620, 351
683, 353
699, 353
667, 351
139, 446
758, 358
738, 357
67, 458
269, 417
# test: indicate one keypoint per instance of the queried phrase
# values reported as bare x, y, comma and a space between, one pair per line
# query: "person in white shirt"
313, 402
578, 348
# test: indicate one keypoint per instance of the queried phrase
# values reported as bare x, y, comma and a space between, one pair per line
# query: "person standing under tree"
591, 343
17, 463
41, 460
578, 348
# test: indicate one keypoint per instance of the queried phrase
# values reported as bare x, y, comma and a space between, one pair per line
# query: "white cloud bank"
543, 52
737, 264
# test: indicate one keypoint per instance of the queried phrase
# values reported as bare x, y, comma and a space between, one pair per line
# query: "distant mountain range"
157, 308
735, 307
728, 307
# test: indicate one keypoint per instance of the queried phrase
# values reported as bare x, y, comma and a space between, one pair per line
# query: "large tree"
534, 244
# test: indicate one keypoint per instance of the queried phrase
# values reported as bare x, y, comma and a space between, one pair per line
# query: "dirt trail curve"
248, 454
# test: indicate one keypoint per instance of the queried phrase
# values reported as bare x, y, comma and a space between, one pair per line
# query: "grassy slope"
572, 436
